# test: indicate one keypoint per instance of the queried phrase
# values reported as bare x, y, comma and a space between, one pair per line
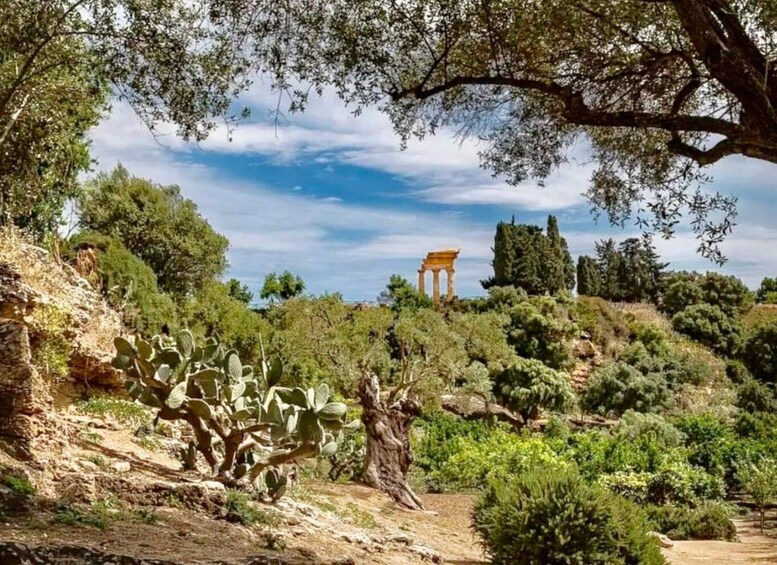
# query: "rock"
354, 537
121, 466
662, 539
471, 407
76, 487
426, 553
399, 538
213, 486
584, 348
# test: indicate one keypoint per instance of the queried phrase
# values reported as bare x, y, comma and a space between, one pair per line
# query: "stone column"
421, 281
451, 292
436, 285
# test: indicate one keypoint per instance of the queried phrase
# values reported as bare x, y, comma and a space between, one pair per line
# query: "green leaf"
322, 397
121, 362
236, 391
144, 367
163, 373
233, 367
124, 347
308, 425
241, 415
333, 411
275, 373
353, 425
274, 413
329, 449
177, 396
185, 342
144, 348
201, 408
167, 357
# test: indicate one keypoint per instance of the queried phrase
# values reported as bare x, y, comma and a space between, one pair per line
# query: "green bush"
737, 371
540, 328
498, 455
710, 326
709, 521
753, 396
709, 441
677, 483
618, 387
662, 361
529, 385
128, 283
553, 516
601, 320
760, 352
683, 289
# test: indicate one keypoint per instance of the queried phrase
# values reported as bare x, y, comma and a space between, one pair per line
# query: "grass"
241, 511
98, 460
305, 496
122, 411
18, 485
100, 514
360, 518
145, 515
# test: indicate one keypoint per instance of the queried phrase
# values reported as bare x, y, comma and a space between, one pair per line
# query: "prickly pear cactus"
247, 427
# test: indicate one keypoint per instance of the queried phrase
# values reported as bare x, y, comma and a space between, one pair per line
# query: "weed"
122, 411
304, 495
241, 511
98, 460
149, 442
274, 542
100, 514
145, 515
92, 437
18, 485
360, 518
51, 354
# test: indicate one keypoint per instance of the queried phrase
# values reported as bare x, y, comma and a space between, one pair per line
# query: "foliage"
710, 326
260, 427
737, 371
215, 311
347, 463
18, 485
618, 387
100, 514
51, 345
499, 454
158, 225
767, 292
129, 284
760, 352
282, 287
759, 480
48, 103
436, 439
753, 396
555, 517
239, 291
240, 510
122, 411
709, 521
541, 328
400, 294
589, 282
683, 289
528, 386
630, 272
527, 258
601, 320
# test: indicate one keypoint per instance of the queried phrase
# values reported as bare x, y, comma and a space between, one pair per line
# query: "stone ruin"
437, 261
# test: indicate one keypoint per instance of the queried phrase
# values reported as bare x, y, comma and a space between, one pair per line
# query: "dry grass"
760, 314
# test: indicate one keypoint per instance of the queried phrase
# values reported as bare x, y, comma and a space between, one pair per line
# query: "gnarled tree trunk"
389, 454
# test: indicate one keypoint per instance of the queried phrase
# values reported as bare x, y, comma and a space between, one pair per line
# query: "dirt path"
752, 547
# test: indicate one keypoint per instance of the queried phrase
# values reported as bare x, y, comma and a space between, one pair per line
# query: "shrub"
540, 328
662, 361
709, 521
498, 455
677, 483
753, 396
554, 517
529, 385
709, 440
221, 398
601, 320
759, 480
710, 326
128, 283
618, 387
760, 352
737, 371
767, 292
684, 289
680, 291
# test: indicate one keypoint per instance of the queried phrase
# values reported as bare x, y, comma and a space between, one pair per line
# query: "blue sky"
332, 197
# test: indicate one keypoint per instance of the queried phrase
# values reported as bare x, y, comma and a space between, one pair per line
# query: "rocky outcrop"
472, 407
24, 395
34, 290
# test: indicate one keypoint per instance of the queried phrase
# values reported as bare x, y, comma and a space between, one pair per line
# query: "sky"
333, 197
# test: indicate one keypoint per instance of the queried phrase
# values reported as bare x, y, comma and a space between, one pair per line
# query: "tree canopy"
283, 286
158, 225
657, 88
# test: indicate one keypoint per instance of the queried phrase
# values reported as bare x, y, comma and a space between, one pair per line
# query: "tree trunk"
389, 454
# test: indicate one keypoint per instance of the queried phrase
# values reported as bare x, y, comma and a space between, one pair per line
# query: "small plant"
759, 480
241, 511
360, 518
145, 515
100, 514
246, 427
92, 437
122, 411
18, 485
98, 460
51, 355
709, 521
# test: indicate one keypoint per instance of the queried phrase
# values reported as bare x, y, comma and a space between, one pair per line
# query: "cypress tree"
589, 281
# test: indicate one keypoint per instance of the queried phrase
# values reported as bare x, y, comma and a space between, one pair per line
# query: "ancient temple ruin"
437, 261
